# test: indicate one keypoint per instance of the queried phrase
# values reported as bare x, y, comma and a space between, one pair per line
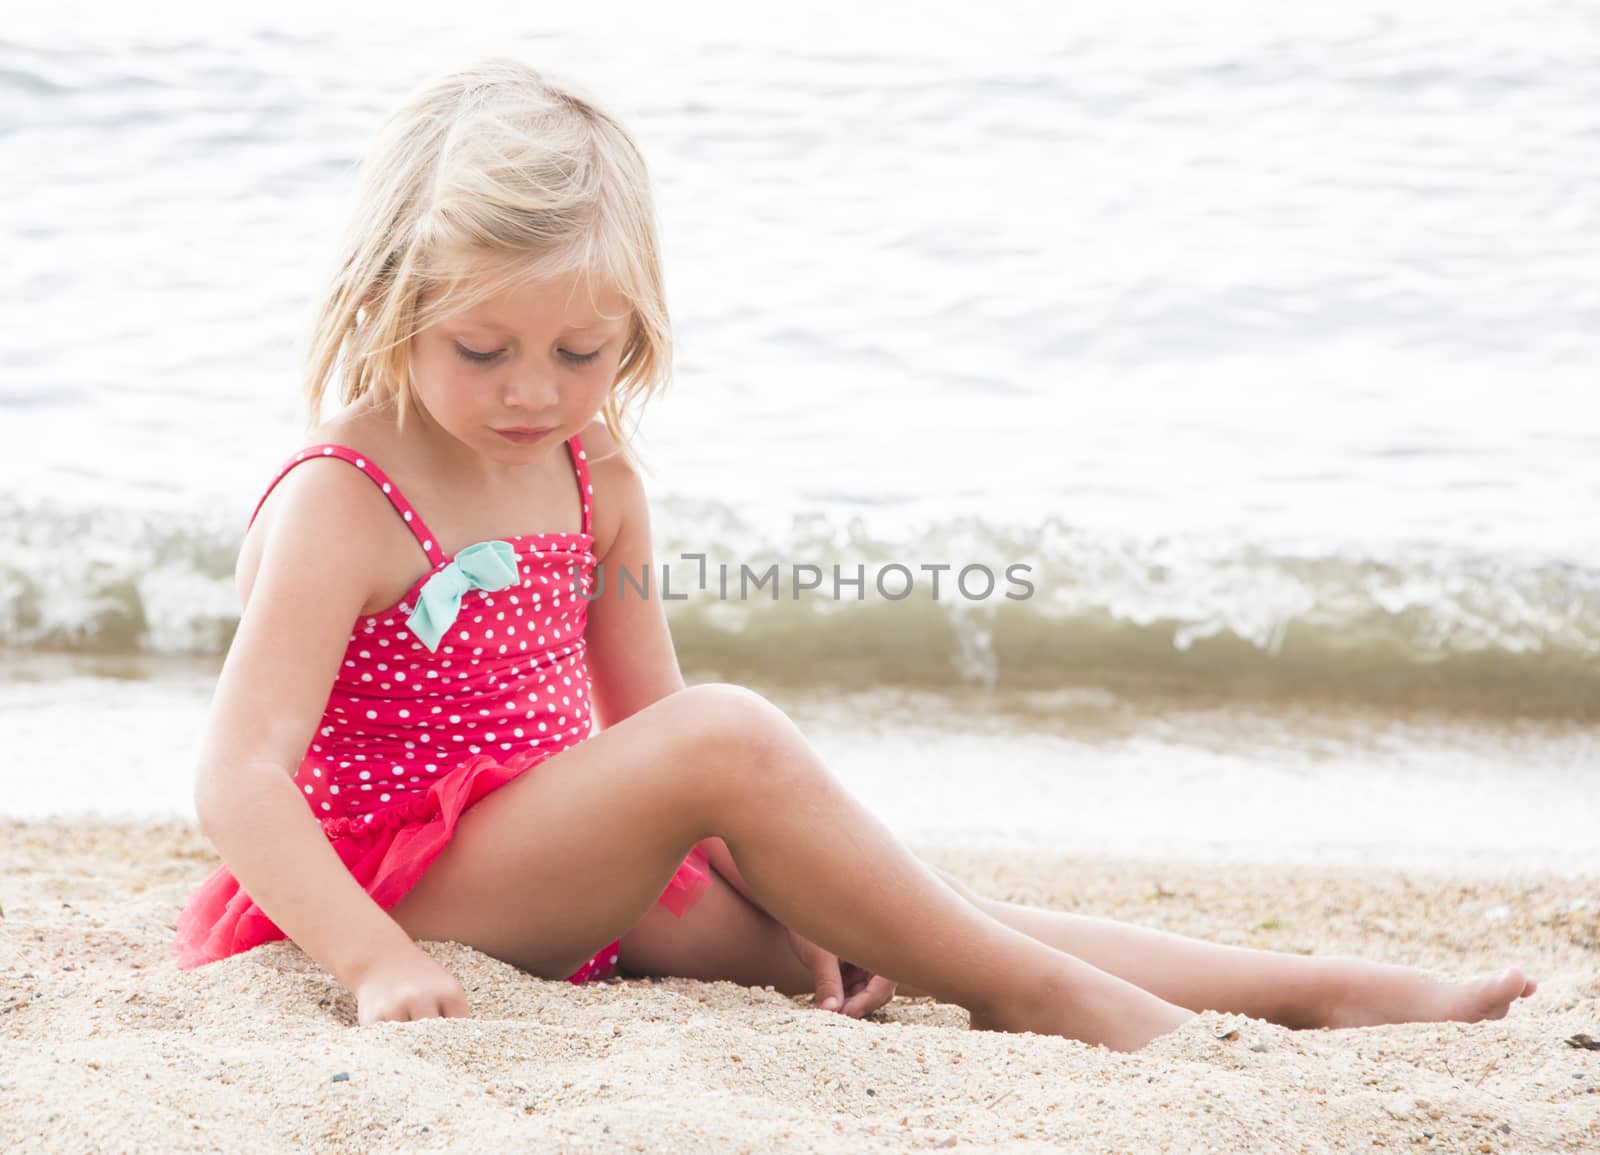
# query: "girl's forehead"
574, 301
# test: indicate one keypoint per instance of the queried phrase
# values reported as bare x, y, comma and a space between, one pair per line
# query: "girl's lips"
522, 436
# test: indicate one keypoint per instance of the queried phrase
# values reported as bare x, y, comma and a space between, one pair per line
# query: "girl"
486, 756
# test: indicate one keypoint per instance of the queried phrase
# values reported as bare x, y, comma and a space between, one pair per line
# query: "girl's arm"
630, 656
316, 560
631, 659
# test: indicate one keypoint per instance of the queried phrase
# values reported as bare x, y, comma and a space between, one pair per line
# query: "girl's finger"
875, 994
830, 987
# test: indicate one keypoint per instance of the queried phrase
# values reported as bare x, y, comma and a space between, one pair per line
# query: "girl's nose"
531, 389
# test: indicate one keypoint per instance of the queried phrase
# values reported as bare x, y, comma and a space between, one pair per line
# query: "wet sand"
105, 1045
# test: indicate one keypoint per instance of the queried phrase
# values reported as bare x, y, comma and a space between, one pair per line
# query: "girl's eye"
474, 356
478, 358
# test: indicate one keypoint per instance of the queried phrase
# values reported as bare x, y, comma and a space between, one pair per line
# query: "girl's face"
519, 373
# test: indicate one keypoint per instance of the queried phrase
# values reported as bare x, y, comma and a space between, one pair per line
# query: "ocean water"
1266, 342
1063, 771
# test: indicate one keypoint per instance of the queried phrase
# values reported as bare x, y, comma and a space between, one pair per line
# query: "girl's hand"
844, 987
406, 986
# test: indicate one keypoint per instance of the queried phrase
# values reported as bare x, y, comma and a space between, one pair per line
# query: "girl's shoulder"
324, 483
599, 447
618, 490
325, 507
361, 427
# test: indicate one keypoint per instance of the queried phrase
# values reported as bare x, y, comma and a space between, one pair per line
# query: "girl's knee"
716, 749
731, 723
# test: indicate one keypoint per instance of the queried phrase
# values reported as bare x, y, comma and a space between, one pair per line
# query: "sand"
106, 1046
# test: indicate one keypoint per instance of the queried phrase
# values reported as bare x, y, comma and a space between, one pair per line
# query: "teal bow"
489, 565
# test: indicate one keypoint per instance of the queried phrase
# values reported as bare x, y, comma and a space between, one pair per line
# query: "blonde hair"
484, 178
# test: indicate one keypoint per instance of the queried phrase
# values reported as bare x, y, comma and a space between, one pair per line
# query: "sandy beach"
105, 1045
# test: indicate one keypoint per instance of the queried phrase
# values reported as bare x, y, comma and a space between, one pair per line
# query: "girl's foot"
1369, 994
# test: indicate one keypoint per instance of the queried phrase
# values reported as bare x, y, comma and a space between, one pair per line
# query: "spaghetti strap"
580, 466
430, 545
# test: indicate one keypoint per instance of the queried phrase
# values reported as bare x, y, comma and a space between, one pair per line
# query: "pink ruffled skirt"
387, 852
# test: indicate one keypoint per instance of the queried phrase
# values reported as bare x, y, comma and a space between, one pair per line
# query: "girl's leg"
575, 852
1294, 990
724, 937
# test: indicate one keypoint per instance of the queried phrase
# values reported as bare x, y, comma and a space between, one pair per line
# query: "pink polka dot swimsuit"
412, 734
